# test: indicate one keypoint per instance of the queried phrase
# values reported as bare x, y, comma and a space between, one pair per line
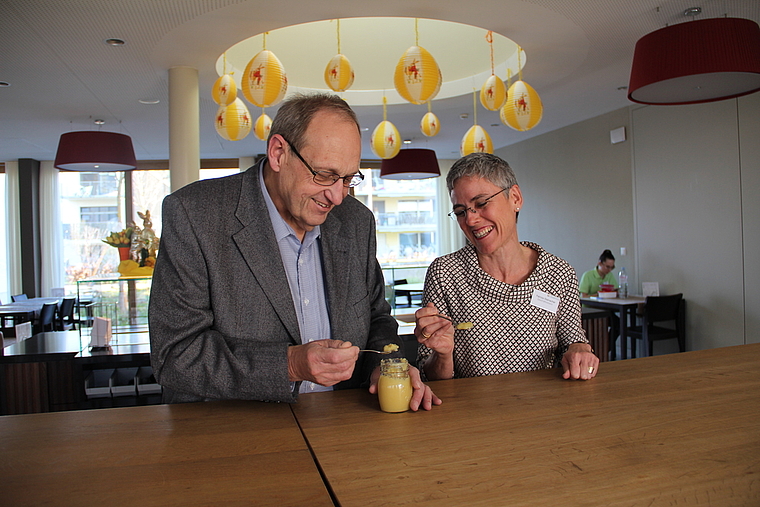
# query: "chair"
659, 309
19, 297
46, 321
402, 293
66, 319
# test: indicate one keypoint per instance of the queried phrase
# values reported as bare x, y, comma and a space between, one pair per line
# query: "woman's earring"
518, 209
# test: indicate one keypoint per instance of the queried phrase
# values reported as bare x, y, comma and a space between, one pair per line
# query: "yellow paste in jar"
391, 347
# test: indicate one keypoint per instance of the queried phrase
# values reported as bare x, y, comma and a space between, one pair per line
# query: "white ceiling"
63, 76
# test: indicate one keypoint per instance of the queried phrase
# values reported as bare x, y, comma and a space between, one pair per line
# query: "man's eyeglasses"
460, 211
327, 178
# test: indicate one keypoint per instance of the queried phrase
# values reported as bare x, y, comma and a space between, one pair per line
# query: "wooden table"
220, 453
679, 429
626, 307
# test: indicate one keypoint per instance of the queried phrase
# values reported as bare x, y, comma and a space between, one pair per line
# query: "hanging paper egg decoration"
476, 140
224, 91
339, 75
417, 77
262, 126
233, 122
386, 141
493, 94
264, 80
430, 125
523, 109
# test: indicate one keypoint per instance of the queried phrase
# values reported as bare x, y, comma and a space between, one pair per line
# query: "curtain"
13, 235
51, 234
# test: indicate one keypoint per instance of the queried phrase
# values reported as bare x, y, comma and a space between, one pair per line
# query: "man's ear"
276, 147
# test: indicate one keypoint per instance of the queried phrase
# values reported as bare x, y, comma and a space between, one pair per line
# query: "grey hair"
482, 165
296, 113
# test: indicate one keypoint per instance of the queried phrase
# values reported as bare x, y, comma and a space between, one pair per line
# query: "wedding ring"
591, 369
425, 336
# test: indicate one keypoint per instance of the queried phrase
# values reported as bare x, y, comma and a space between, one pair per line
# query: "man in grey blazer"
266, 283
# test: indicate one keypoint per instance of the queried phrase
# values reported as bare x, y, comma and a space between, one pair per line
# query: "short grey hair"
296, 113
482, 165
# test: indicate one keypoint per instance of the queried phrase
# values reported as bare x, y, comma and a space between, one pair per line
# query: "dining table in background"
625, 307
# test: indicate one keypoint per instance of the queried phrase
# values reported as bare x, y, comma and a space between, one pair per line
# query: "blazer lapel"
259, 249
335, 252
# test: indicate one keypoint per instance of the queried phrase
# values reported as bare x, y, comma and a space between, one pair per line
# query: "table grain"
680, 429
214, 453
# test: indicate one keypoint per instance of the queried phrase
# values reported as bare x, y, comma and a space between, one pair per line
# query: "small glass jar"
394, 388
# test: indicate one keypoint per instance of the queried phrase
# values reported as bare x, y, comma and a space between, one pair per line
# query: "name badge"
545, 301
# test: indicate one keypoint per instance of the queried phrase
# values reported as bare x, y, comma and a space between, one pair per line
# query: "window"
99, 214
405, 217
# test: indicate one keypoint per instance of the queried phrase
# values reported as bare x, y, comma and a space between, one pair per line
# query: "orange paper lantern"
493, 94
430, 126
262, 127
339, 75
386, 141
476, 140
523, 109
224, 91
233, 122
417, 77
264, 80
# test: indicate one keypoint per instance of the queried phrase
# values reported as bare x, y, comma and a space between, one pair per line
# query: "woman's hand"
579, 362
435, 332
422, 395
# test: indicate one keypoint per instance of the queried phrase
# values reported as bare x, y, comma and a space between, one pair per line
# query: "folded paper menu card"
650, 288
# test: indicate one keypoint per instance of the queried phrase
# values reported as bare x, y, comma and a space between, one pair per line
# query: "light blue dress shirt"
303, 266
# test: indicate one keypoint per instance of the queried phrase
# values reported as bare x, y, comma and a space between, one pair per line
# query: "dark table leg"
624, 333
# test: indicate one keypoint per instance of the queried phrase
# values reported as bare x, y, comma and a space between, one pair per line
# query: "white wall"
577, 191
749, 159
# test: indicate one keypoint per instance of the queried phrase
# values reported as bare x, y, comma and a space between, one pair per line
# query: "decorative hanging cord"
339, 36
489, 38
429, 107
385, 107
475, 106
264, 40
416, 32
519, 62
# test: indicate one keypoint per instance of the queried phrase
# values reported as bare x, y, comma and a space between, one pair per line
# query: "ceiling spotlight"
692, 11
148, 101
407, 141
4, 84
464, 116
621, 88
99, 122
115, 42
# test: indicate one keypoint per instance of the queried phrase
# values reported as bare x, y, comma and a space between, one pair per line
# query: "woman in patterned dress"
521, 300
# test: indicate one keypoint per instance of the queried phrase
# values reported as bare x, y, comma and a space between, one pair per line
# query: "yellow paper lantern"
493, 94
523, 109
476, 140
417, 77
264, 80
339, 75
224, 91
262, 127
233, 122
386, 141
430, 125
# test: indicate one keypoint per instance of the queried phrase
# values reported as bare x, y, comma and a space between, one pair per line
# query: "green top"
591, 280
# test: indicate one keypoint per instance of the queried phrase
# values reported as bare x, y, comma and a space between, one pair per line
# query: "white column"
184, 127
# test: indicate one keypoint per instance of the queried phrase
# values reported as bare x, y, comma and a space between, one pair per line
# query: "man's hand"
324, 362
579, 362
422, 395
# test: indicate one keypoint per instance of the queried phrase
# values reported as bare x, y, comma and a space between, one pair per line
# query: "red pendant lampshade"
696, 61
410, 164
95, 151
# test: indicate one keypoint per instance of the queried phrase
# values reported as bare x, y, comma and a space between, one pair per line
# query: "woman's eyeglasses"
460, 210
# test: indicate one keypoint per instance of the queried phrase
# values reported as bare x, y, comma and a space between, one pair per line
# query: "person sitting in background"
602, 273
522, 301
589, 287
